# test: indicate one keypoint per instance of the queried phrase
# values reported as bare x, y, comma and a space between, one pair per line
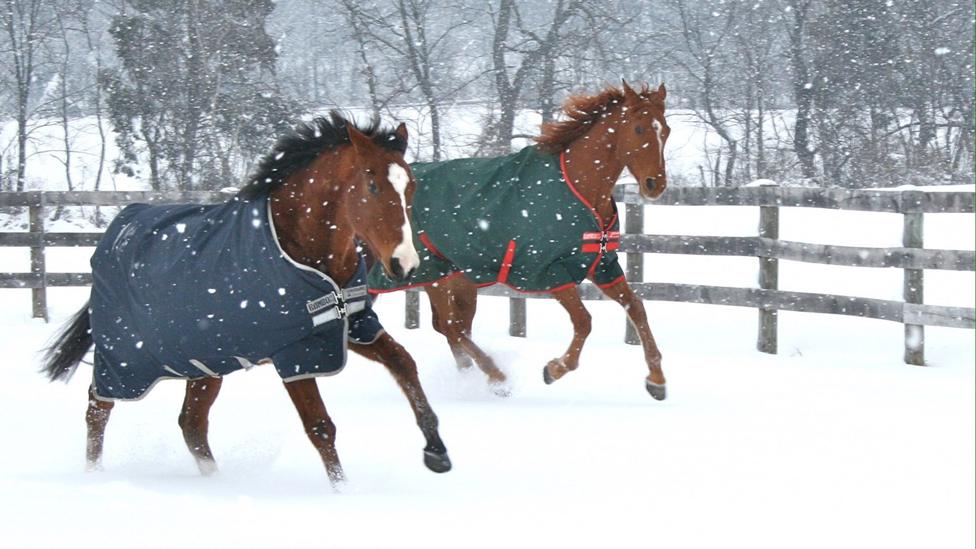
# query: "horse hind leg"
97, 418
195, 420
319, 428
454, 303
440, 319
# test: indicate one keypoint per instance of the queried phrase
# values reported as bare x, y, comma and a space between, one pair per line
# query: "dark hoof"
659, 392
438, 463
546, 376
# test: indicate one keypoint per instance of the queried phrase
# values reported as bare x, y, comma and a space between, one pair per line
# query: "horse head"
378, 200
641, 135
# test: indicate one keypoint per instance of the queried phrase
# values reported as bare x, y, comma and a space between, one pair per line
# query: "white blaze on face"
405, 253
660, 143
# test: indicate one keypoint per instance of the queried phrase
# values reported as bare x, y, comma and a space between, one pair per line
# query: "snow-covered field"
832, 443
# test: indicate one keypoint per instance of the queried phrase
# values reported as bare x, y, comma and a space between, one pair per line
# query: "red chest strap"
600, 242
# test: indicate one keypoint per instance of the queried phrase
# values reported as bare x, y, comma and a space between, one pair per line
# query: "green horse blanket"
515, 220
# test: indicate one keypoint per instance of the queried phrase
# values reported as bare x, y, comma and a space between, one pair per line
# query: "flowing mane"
296, 148
583, 111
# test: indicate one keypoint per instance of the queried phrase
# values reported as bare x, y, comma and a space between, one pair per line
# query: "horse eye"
639, 130
373, 189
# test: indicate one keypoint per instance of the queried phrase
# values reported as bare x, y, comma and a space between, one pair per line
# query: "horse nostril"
396, 268
650, 184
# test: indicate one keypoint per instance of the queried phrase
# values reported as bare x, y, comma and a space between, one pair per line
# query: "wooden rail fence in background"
911, 257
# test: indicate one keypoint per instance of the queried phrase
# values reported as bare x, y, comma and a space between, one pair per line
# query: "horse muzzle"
654, 187
398, 270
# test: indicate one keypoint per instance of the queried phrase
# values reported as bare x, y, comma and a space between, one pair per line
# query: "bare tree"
705, 28
797, 22
28, 25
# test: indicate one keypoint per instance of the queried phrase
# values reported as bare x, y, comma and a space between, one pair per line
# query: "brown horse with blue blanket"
539, 220
272, 278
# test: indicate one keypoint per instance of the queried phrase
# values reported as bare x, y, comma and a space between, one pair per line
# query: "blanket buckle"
340, 304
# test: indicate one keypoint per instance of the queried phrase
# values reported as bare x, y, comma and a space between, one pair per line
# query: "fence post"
768, 280
38, 267
411, 312
634, 224
914, 283
516, 316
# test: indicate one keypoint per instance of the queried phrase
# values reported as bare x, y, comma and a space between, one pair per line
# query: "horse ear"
629, 94
360, 142
662, 92
401, 132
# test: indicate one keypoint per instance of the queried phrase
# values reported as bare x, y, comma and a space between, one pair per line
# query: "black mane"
297, 148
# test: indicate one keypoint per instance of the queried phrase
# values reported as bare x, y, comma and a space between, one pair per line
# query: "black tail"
70, 346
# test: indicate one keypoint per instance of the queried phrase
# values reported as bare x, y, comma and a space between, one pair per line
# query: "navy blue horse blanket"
191, 291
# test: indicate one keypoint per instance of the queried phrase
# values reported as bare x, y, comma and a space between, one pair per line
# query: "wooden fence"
911, 257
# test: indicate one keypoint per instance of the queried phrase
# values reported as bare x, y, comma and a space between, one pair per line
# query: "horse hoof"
438, 463
500, 390
659, 392
546, 376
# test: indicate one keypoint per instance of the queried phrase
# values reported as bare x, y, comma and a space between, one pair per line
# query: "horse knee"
583, 324
440, 326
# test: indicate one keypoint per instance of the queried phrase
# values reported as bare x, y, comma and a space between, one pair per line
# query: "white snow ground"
832, 443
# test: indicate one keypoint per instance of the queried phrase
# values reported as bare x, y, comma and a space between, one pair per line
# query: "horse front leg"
318, 425
570, 299
623, 294
401, 365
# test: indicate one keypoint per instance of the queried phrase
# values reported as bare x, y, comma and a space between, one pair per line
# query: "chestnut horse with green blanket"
539, 220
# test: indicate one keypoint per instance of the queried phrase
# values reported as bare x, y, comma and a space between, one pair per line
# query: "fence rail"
911, 257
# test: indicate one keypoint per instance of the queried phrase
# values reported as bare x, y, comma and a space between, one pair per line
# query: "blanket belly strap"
337, 305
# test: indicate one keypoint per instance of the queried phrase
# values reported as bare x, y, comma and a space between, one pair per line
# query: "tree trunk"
547, 89
194, 93
761, 134
802, 88
21, 143
417, 56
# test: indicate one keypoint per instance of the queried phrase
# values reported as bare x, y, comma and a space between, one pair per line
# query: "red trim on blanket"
521, 291
572, 188
507, 262
425, 240
376, 291
618, 280
596, 214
